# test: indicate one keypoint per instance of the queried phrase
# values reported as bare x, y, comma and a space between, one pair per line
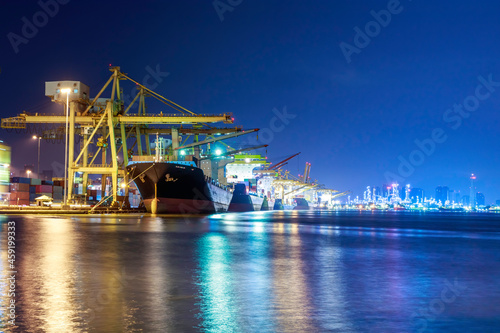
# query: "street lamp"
28, 173
38, 166
66, 91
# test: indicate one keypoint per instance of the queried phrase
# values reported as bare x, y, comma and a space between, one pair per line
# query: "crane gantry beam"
223, 137
23, 119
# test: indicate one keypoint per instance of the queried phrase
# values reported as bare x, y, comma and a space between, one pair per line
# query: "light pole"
38, 166
65, 202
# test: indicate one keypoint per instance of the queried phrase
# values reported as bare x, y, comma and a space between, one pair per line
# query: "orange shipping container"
19, 195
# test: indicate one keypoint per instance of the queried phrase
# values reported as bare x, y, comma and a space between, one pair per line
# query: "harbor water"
277, 271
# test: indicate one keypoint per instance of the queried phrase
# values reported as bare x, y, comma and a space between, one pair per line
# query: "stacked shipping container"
20, 191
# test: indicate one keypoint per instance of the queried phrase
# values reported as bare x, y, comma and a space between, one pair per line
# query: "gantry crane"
104, 124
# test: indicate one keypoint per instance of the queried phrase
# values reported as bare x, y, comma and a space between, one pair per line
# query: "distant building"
4, 169
465, 200
480, 199
442, 194
416, 194
454, 196
472, 197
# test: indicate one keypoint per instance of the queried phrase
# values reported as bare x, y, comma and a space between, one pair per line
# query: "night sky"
355, 104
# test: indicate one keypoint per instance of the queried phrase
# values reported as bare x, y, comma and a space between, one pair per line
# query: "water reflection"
218, 307
329, 290
258, 272
292, 297
256, 282
48, 278
4, 274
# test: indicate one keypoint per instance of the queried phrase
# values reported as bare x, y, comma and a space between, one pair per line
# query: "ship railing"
212, 181
255, 194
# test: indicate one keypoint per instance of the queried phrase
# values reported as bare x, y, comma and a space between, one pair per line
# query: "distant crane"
280, 163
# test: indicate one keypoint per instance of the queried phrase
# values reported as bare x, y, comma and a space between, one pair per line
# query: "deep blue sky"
352, 120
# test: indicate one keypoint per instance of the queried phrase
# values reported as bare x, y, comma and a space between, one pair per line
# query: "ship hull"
244, 202
177, 189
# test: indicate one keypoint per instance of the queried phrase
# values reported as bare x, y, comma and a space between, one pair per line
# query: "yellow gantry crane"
105, 124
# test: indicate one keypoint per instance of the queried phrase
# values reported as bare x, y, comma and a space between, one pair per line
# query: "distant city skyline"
441, 193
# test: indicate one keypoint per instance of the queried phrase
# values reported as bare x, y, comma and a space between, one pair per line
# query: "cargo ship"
178, 187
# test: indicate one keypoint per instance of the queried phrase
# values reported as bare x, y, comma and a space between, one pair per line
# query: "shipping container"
44, 189
19, 187
22, 180
21, 195
34, 181
32, 189
57, 189
47, 182
58, 181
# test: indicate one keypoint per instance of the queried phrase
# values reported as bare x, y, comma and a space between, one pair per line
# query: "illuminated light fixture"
183, 152
35, 137
66, 90
247, 160
123, 185
218, 152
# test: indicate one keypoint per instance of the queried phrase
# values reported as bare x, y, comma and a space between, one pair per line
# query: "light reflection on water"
283, 271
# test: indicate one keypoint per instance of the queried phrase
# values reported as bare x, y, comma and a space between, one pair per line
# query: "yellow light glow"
123, 185
35, 137
66, 90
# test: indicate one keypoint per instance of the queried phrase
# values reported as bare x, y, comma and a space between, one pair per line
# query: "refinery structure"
173, 158
402, 197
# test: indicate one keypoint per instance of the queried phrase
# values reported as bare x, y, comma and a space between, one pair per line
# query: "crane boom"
340, 194
232, 152
285, 160
301, 189
223, 137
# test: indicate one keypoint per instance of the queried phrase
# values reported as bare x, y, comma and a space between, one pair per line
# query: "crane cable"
179, 108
